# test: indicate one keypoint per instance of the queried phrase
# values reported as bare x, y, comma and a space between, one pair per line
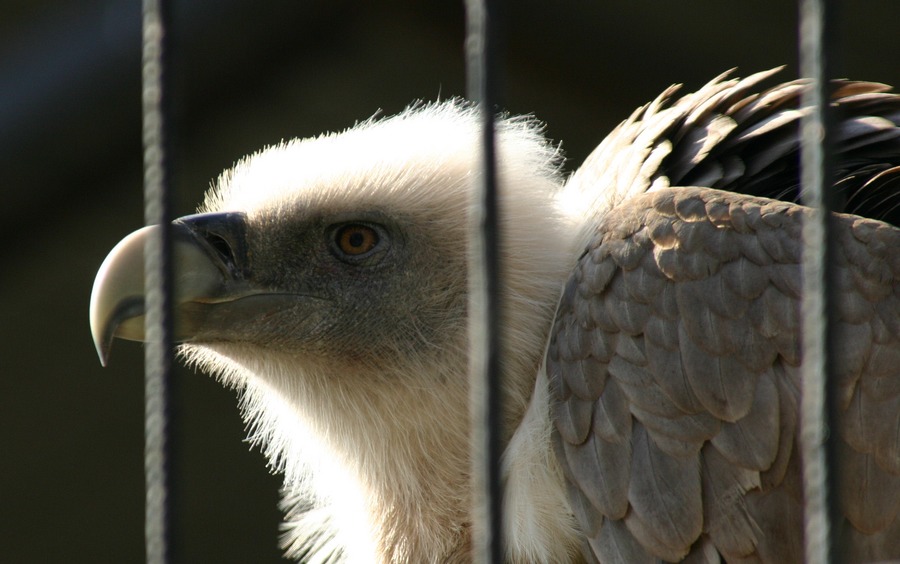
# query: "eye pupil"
355, 240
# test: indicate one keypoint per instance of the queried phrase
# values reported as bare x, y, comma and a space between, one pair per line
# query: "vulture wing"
674, 357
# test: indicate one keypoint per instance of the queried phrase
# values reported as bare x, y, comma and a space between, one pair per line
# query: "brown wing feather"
731, 135
679, 325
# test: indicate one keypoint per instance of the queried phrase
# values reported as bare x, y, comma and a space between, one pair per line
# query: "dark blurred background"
250, 74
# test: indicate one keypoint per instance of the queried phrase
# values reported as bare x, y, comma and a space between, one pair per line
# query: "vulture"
651, 337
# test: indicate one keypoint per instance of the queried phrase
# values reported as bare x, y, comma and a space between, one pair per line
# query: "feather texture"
712, 398
708, 284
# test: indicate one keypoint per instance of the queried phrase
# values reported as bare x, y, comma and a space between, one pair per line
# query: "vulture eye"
355, 240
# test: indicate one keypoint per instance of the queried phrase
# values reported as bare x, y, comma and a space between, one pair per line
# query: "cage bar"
157, 283
486, 368
817, 415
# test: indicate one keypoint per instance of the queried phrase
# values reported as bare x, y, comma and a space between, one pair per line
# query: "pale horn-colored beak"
208, 264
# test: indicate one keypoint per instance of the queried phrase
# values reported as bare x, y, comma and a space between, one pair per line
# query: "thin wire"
817, 415
484, 302
158, 285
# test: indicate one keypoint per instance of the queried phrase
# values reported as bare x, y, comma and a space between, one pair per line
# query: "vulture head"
652, 329
326, 279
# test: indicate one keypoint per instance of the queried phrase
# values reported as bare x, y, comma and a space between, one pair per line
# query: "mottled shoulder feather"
674, 364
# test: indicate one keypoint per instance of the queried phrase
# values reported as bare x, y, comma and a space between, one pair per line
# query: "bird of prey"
651, 329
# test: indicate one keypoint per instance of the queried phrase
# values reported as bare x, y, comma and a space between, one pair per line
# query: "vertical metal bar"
484, 302
157, 282
817, 404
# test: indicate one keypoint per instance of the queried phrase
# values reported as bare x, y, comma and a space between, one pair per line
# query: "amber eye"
355, 239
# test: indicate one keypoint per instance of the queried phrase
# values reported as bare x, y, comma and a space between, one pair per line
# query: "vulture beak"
210, 277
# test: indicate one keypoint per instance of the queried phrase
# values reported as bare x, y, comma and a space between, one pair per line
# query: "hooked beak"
210, 271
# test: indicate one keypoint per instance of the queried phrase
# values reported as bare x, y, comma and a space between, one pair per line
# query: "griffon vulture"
652, 376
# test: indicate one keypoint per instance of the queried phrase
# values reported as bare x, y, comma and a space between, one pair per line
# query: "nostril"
224, 237
222, 247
